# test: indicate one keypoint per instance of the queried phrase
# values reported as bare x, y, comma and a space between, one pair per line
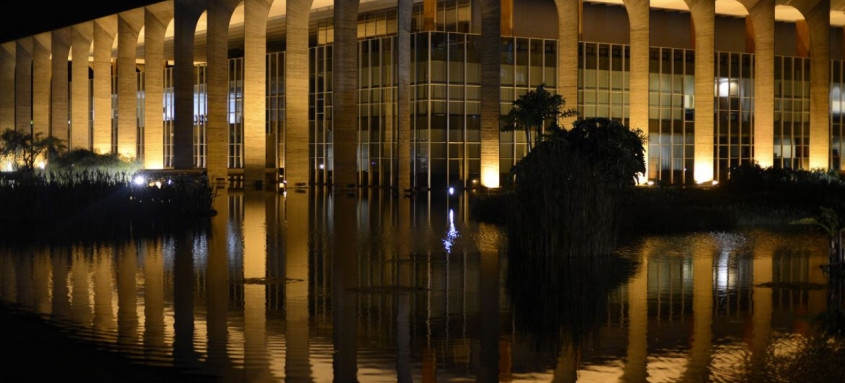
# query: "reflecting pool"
319, 287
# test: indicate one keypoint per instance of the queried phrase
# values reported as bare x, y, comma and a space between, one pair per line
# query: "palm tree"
535, 110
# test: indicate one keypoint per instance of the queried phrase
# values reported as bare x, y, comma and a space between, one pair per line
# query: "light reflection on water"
260, 296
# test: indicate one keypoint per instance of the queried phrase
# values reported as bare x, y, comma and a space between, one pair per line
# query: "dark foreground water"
312, 287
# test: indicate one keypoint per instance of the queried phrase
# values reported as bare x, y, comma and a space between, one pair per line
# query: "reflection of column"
818, 20
41, 273
637, 353
344, 229
567, 365
103, 313
80, 298
23, 271
156, 18
7, 85
762, 15
638, 18
297, 366
761, 317
104, 30
255, 83
217, 130
60, 45
41, 50
61, 293
185, 17
703, 17
296, 92
217, 285
10, 293
154, 296
702, 312
183, 301
127, 305
23, 85
255, 291
490, 79
488, 291
817, 299
404, 15
82, 36
404, 279
345, 94
128, 27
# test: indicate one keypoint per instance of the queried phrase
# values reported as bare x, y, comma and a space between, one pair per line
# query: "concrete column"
403, 87
568, 16
490, 91
156, 19
7, 86
703, 13
41, 50
104, 33
128, 27
59, 112
638, 16
81, 39
297, 165
345, 94
186, 13
297, 366
818, 19
23, 85
255, 92
217, 130
762, 15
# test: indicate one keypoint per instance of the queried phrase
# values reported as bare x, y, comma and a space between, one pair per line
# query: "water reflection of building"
256, 296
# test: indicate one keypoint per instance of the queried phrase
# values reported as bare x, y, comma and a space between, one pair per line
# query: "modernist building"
403, 93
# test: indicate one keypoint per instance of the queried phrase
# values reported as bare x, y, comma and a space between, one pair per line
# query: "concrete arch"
157, 18
105, 31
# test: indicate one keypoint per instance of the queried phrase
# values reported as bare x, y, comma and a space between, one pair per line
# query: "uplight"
139, 180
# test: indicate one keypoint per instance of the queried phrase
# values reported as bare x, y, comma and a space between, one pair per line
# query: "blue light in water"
452, 234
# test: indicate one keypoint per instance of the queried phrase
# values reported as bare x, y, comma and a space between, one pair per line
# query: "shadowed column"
567, 53
703, 17
344, 229
638, 18
186, 13
156, 18
255, 91
762, 15
297, 226
345, 94
23, 85
491, 42
104, 30
403, 72
80, 135
128, 26
217, 130
297, 164
7, 85
41, 50
59, 82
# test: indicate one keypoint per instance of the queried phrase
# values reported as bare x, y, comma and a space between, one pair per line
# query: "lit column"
703, 13
345, 94
59, 119
80, 135
128, 27
185, 16
297, 365
818, 20
638, 18
255, 91
7, 86
156, 18
762, 16
217, 130
41, 50
104, 31
490, 91
702, 312
568, 22
23, 85
403, 87
297, 164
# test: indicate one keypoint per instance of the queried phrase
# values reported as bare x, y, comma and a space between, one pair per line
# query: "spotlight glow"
139, 180
451, 191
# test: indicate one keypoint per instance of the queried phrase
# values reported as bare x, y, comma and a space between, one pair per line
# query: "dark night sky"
28, 17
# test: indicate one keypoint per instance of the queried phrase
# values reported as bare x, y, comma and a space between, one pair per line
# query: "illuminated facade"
408, 94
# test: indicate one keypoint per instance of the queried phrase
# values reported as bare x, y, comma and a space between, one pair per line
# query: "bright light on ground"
139, 180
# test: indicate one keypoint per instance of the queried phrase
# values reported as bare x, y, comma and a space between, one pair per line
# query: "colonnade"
34, 95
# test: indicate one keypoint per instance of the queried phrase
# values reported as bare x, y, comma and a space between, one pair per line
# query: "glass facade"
603, 80
235, 113
168, 115
139, 114
671, 125
792, 112
200, 114
276, 105
734, 133
837, 112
